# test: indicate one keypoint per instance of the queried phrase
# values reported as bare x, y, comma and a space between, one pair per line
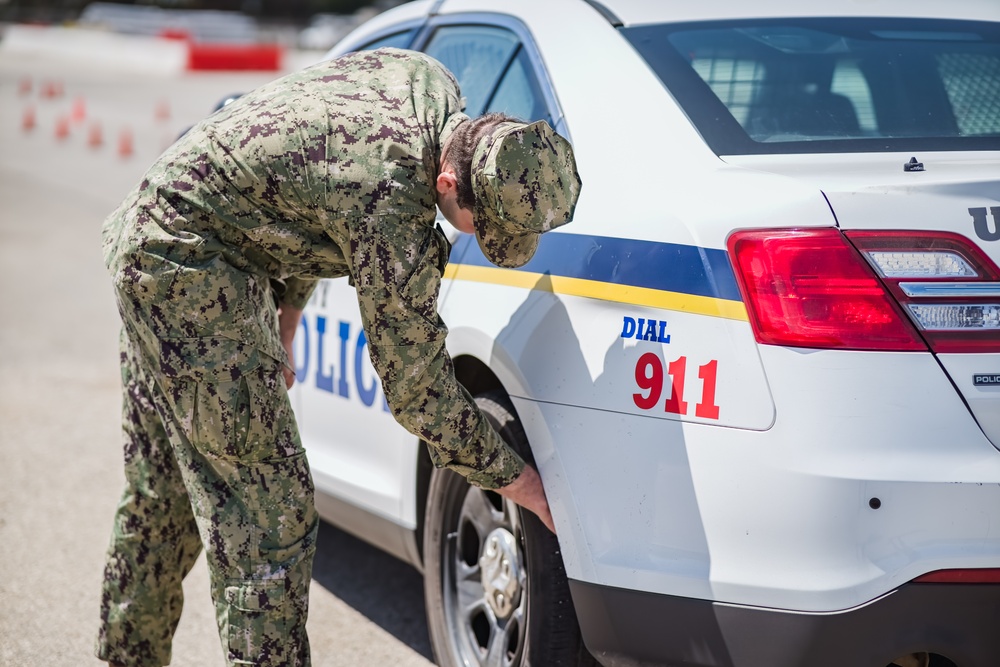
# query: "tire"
524, 616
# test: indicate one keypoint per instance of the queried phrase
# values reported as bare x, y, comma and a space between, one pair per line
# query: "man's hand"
527, 492
288, 324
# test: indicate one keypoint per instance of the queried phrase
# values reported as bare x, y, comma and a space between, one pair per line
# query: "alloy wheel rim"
486, 584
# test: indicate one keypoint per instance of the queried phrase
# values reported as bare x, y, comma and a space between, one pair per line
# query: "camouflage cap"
525, 180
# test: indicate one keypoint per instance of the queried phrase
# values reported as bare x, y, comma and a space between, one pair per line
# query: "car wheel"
494, 580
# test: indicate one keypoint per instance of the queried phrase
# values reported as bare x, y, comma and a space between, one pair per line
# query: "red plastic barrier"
177, 34
265, 57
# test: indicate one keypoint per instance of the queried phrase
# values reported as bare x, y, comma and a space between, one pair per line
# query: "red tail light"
978, 576
811, 288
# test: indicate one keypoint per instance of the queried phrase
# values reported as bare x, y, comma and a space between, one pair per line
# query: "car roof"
634, 12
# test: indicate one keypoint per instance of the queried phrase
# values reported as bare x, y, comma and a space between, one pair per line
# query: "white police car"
759, 373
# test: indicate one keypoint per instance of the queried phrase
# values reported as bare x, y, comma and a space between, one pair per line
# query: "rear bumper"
626, 628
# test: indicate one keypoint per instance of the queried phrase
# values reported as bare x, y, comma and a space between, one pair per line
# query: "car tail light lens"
949, 288
920, 264
811, 288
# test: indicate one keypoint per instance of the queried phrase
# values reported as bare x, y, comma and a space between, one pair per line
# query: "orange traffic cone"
163, 110
28, 119
95, 138
79, 111
125, 148
62, 128
52, 89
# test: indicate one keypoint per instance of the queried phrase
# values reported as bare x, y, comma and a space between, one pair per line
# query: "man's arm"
288, 323
292, 297
397, 267
528, 492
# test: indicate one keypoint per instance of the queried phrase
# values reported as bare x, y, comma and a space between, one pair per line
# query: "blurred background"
90, 95
306, 24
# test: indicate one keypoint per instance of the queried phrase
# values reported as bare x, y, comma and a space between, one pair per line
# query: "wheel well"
477, 378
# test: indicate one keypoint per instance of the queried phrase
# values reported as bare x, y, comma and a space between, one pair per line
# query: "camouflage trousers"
214, 465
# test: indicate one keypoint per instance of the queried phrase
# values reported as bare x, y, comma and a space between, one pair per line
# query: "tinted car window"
399, 40
477, 56
519, 94
835, 85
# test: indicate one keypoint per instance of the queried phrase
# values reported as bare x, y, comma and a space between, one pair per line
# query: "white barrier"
203, 25
104, 49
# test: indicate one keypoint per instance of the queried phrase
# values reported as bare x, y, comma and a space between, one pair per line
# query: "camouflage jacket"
324, 173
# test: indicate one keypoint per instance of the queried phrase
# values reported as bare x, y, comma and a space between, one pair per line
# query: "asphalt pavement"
60, 455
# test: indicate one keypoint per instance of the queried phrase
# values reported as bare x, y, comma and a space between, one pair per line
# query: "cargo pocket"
213, 358
205, 381
421, 288
221, 418
257, 620
264, 420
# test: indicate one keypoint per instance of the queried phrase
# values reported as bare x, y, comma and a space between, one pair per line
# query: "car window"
519, 94
850, 82
876, 84
477, 56
398, 40
972, 81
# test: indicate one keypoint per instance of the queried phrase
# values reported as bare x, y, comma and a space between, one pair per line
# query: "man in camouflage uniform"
332, 171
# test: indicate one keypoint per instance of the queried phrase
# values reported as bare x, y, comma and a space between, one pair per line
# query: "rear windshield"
832, 85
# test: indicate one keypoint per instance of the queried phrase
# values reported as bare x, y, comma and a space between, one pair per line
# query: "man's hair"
461, 147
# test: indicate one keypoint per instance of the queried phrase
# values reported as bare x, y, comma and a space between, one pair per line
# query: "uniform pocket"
265, 422
397, 261
221, 418
207, 358
257, 619
228, 398
249, 419
421, 288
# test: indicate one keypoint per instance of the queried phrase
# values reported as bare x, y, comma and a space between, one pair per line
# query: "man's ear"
446, 180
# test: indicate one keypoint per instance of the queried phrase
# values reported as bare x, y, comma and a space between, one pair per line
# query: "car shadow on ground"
386, 590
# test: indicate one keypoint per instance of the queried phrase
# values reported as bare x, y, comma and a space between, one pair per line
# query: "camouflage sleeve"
297, 291
397, 270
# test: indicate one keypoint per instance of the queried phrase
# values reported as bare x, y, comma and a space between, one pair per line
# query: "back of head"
462, 146
521, 181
